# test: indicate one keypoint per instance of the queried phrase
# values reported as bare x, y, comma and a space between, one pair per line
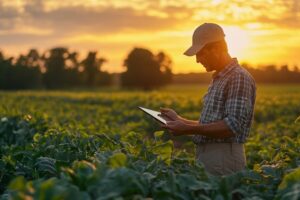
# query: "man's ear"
215, 52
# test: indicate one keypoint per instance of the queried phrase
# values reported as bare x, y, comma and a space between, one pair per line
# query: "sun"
238, 41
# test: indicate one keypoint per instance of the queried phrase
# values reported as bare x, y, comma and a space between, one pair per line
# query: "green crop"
98, 145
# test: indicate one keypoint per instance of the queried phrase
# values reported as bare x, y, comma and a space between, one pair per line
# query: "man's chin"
208, 69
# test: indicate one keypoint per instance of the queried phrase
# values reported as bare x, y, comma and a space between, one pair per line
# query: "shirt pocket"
216, 101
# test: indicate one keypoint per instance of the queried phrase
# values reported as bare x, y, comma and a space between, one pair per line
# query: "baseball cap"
204, 34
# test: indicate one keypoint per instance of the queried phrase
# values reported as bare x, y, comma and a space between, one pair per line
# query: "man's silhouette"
228, 105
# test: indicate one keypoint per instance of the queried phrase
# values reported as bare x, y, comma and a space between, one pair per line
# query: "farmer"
228, 105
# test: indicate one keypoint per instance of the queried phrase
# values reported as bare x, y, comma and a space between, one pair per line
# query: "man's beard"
208, 69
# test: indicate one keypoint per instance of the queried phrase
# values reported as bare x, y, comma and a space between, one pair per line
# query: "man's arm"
181, 126
187, 121
218, 129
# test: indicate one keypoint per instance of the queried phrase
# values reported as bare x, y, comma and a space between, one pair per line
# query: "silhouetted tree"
92, 70
296, 68
26, 72
23, 74
5, 71
61, 68
1, 56
55, 67
145, 70
72, 75
33, 59
263, 74
284, 69
165, 63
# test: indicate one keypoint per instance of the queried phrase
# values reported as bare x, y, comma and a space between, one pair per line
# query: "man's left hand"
177, 127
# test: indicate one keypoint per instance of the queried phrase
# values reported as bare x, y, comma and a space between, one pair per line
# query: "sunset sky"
258, 31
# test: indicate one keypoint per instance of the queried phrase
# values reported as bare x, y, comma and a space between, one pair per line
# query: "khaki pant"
221, 158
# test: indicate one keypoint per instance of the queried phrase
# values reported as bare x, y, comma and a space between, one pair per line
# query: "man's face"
208, 58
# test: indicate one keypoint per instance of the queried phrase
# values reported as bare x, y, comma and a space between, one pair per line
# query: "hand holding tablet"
155, 114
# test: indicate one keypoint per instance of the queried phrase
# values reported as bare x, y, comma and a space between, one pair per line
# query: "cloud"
115, 26
285, 16
8, 17
114, 16
36, 25
81, 19
279, 13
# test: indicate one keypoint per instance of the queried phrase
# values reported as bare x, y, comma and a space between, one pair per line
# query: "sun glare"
238, 41
216, 2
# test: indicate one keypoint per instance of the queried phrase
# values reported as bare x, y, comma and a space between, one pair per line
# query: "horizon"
115, 28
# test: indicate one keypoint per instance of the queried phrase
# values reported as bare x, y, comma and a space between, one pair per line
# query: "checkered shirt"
230, 97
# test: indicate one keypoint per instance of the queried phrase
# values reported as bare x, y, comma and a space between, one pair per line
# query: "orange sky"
257, 32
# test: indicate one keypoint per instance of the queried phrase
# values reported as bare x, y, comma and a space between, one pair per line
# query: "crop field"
97, 145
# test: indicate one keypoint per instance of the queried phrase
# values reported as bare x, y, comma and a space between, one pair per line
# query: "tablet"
153, 114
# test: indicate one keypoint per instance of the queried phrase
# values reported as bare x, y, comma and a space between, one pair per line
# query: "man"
228, 105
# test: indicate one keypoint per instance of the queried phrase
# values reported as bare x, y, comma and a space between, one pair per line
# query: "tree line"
59, 68
263, 74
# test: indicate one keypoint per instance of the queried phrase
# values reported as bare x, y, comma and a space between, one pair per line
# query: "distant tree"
92, 70
61, 68
5, 71
55, 67
1, 56
284, 69
26, 72
165, 63
270, 74
269, 68
146, 70
72, 75
296, 68
103, 79
33, 59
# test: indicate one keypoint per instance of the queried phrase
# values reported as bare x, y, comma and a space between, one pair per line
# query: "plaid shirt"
230, 97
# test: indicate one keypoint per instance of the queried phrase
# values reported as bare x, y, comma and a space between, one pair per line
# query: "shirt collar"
226, 69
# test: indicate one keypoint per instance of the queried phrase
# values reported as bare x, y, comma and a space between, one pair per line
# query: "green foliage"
289, 188
52, 188
164, 151
67, 145
117, 160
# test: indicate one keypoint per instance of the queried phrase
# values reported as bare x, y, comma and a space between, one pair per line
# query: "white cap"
204, 34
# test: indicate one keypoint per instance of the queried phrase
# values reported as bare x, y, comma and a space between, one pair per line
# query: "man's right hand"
169, 114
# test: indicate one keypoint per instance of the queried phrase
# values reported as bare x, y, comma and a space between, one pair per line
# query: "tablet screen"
154, 114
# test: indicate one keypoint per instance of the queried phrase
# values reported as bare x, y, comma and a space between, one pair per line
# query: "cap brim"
193, 50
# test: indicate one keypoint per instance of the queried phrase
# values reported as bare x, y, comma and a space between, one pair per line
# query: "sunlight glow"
216, 2
237, 40
257, 32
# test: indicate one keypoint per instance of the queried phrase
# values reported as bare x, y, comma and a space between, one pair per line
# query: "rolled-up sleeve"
239, 104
